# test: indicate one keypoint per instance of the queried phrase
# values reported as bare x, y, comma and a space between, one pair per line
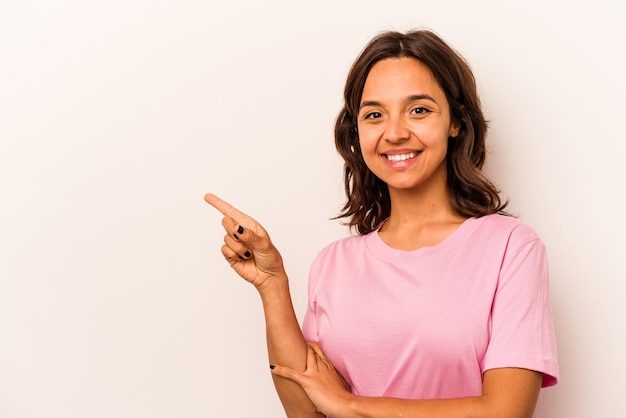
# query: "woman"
439, 307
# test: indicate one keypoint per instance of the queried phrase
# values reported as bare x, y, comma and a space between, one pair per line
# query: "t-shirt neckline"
383, 251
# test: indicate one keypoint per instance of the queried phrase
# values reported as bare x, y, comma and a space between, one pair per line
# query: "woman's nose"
396, 130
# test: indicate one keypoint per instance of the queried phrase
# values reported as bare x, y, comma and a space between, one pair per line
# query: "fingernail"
236, 237
240, 257
272, 366
247, 254
240, 229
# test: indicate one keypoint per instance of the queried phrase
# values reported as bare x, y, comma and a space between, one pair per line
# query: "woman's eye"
372, 115
420, 111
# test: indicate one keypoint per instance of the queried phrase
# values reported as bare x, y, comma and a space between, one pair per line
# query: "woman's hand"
324, 386
247, 246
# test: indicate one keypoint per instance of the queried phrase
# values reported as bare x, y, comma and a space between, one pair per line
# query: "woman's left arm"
507, 393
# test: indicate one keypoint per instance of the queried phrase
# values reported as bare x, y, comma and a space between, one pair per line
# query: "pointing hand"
247, 246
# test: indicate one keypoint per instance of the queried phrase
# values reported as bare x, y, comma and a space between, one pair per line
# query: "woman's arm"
507, 393
250, 252
286, 343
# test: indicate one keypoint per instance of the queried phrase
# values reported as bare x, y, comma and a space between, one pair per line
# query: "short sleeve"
522, 329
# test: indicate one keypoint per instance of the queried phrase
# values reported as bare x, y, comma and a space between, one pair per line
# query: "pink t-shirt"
426, 324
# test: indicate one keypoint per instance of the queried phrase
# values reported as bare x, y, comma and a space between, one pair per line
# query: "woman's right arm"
250, 252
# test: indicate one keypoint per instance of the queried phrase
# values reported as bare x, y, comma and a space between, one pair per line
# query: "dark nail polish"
240, 229
236, 237
247, 254
272, 366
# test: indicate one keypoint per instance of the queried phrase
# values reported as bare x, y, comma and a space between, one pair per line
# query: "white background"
117, 116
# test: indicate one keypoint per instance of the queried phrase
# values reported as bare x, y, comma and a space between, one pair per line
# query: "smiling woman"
439, 305
404, 138
441, 70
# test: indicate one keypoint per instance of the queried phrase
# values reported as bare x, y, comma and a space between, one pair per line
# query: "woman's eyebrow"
369, 103
416, 97
411, 98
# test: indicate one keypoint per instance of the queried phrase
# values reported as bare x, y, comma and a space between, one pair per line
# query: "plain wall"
117, 116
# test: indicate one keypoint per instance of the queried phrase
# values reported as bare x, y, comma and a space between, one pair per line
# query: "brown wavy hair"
470, 192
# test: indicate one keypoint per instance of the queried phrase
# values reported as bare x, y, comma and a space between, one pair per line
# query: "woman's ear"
453, 132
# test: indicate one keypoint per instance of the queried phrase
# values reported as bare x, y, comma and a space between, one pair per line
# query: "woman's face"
404, 124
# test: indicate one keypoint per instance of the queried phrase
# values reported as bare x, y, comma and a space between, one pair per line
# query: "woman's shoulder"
342, 249
346, 244
508, 226
335, 256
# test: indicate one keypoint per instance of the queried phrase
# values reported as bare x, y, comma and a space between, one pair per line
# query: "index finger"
224, 207
247, 222
230, 211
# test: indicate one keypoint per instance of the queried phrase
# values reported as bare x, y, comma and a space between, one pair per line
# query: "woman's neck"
419, 218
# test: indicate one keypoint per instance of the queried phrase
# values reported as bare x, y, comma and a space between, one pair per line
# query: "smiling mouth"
401, 157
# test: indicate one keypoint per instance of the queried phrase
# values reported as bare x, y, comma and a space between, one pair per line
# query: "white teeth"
400, 157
